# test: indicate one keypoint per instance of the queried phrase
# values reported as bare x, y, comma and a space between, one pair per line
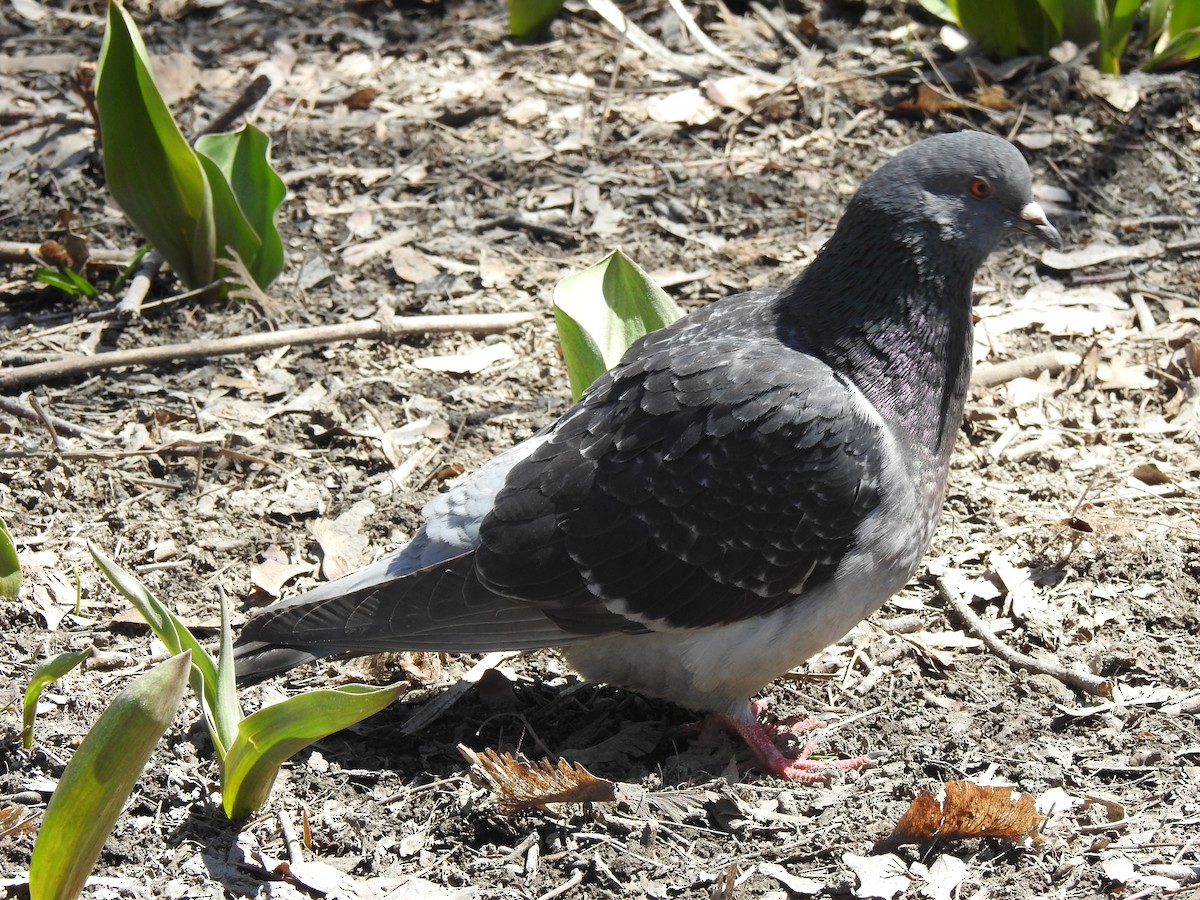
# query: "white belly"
718, 669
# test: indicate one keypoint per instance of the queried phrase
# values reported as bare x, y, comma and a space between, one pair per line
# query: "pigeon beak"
1033, 221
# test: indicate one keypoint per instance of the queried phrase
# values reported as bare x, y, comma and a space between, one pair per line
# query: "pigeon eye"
980, 188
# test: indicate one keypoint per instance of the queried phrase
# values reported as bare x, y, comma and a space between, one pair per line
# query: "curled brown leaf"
521, 785
966, 810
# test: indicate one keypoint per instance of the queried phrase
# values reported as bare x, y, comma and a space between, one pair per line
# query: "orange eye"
980, 188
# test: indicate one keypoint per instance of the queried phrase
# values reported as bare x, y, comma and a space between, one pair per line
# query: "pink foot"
760, 739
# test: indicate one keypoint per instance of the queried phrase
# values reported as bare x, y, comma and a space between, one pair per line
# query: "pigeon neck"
893, 316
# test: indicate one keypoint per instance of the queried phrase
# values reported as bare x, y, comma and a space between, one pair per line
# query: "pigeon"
733, 496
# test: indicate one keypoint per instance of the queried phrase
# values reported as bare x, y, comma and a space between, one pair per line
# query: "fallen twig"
15, 407
689, 67
569, 885
372, 329
1082, 681
713, 50
130, 306
59, 118
253, 92
995, 374
45, 419
432, 710
538, 229
16, 252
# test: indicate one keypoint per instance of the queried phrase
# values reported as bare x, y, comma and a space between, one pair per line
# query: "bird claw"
801, 769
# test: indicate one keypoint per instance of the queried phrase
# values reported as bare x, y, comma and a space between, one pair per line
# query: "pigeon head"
963, 190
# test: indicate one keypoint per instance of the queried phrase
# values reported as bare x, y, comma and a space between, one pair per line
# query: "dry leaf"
1096, 254
176, 75
362, 98
1120, 93
467, 363
270, 575
942, 878
928, 102
993, 96
1070, 312
795, 884
358, 254
520, 785
450, 470
525, 111
689, 107
413, 266
966, 810
735, 92
1149, 473
878, 876
15, 819
1023, 596
343, 540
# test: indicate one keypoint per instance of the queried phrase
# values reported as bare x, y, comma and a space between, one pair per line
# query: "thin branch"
16, 252
15, 407
995, 374
255, 91
687, 66
1081, 681
371, 329
713, 50
45, 417
130, 306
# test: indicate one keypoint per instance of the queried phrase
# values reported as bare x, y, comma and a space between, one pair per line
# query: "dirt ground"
434, 167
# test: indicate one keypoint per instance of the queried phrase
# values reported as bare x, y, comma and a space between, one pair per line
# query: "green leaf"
1180, 38
152, 173
246, 197
527, 19
130, 268
10, 566
268, 738
1181, 48
1157, 17
1055, 11
1185, 16
601, 311
1114, 34
1040, 23
66, 280
941, 9
991, 24
172, 632
50, 670
228, 711
99, 779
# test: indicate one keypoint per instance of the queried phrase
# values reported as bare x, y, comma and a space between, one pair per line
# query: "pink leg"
760, 739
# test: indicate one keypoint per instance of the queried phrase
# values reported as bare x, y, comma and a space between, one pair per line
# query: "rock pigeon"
734, 495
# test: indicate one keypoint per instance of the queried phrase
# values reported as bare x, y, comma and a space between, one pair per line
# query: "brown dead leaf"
362, 98
520, 785
1077, 524
966, 810
54, 253
343, 540
993, 96
928, 102
413, 266
737, 92
1149, 473
15, 819
270, 575
451, 470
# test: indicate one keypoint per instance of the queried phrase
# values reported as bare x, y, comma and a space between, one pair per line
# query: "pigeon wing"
700, 482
